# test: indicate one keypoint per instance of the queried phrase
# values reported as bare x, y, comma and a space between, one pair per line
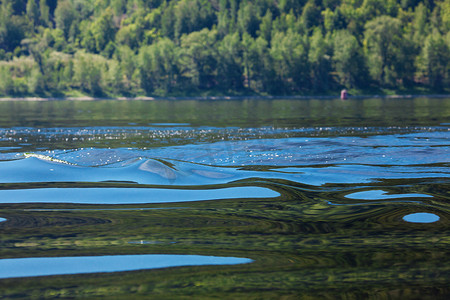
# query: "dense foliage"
161, 47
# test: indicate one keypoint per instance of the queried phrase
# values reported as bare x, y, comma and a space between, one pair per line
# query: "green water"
307, 199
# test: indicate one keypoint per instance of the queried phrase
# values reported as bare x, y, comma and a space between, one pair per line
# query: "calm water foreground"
252, 199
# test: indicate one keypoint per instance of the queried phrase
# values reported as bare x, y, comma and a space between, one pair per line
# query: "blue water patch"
9, 148
129, 195
48, 266
421, 218
2, 219
381, 195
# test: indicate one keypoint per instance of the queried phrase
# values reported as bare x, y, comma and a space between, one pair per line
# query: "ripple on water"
421, 218
40, 168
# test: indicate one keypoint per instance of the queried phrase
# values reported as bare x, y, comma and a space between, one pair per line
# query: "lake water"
225, 199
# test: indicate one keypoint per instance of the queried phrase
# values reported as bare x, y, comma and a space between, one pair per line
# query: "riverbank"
209, 98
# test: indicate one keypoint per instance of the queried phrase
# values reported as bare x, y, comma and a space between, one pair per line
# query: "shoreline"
219, 98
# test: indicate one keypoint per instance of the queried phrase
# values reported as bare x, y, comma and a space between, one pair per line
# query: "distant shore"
145, 98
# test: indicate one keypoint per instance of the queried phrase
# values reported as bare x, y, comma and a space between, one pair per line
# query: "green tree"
168, 20
311, 15
12, 27
103, 30
55, 73
383, 42
320, 62
405, 4
258, 65
265, 28
333, 20
434, 61
296, 6
192, 15
33, 12
127, 60
6, 80
65, 16
35, 82
88, 72
168, 61
130, 35
248, 18
348, 60
45, 13
290, 58
158, 66
230, 73
223, 19
420, 23
249, 58
15, 74
119, 7
198, 58
113, 77
445, 15
145, 69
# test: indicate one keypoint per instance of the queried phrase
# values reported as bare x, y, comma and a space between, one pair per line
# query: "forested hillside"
187, 47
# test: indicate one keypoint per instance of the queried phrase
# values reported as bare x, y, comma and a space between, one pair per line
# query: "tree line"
179, 47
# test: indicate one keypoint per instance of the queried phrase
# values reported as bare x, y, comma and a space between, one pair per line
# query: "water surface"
324, 198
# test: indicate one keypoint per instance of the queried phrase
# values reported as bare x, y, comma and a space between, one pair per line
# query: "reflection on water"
380, 195
47, 266
129, 195
329, 199
421, 218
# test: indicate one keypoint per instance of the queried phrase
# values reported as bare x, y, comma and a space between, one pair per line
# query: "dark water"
254, 199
